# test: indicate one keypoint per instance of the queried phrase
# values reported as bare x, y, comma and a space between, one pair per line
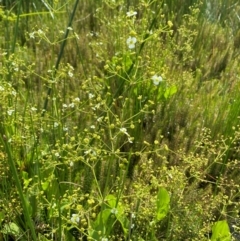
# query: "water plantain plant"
119, 120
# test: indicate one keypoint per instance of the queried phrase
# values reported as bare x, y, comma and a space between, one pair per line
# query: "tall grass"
119, 120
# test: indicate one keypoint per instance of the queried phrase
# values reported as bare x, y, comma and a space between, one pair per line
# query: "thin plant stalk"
60, 54
27, 216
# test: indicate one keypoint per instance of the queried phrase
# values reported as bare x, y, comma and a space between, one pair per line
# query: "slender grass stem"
49, 91
27, 216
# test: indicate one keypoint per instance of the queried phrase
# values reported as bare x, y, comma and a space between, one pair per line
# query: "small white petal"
131, 41
75, 218
131, 13
71, 105
10, 112
156, 79
77, 99
114, 211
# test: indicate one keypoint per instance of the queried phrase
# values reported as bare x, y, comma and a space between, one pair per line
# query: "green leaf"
28, 205
102, 225
2, 216
111, 200
26, 179
163, 203
127, 61
45, 185
106, 219
11, 228
170, 91
121, 217
102, 219
220, 231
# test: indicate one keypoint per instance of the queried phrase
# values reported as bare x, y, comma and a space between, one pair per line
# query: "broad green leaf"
121, 217
107, 218
220, 231
102, 225
102, 219
163, 202
111, 200
170, 91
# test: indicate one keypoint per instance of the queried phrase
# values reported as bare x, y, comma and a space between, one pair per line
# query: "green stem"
60, 54
4, 139
16, 26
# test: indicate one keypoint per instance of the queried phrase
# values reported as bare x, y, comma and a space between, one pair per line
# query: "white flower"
40, 31
31, 35
71, 164
96, 106
10, 112
131, 13
87, 152
75, 218
150, 32
130, 139
70, 74
156, 79
14, 93
90, 95
1, 88
33, 109
104, 239
77, 99
65, 128
114, 211
131, 42
71, 105
55, 124
124, 130
100, 119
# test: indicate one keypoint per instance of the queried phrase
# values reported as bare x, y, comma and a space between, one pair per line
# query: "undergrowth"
119, 120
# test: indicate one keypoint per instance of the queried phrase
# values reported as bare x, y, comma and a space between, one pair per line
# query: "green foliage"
163, 202
110, 214
119, 120
220, 231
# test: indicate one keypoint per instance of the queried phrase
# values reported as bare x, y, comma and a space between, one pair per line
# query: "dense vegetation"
119, 120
